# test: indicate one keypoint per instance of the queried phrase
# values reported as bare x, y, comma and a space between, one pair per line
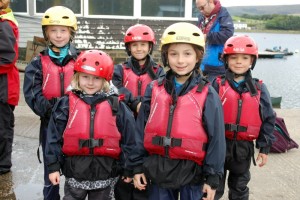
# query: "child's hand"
140, 181
210, 193
262, 158
138, 107
54, 178
126, 179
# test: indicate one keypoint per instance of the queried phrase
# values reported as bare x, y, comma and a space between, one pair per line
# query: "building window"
43, 5
163, 8
195, 10
18, 5
111, 7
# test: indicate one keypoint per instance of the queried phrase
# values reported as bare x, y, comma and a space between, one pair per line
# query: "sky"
228, 3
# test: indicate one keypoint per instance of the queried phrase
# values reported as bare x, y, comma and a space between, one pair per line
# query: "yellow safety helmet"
60, 15
181, 32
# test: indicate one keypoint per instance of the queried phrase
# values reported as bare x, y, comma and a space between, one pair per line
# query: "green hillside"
268, 18
264, 10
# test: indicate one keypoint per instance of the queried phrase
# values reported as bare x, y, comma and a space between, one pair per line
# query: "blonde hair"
75, 83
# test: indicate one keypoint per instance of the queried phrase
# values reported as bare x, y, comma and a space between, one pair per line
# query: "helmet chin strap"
239, 75
143, 59
243, 74
187, 74
54, 48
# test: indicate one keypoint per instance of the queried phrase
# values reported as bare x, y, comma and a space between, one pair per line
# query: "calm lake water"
282, 76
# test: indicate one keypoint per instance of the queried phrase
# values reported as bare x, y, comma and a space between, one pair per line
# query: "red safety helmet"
139, 32
95, 62
241, 44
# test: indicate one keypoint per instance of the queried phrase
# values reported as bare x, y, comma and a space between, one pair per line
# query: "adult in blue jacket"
217, 26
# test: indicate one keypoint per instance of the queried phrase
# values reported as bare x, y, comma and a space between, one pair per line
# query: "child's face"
90, 84
239, 63
58, 35
139, 50
182, 58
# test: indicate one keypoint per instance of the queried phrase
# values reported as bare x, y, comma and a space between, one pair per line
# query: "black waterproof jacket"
33, 81
133, 64
266, 137
88, 167
172, 173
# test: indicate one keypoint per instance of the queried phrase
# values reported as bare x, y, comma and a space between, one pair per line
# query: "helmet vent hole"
47, 16
171, 33
145, 33
65, 17
97, 63
196, 34
230, 45
249, 45
129, 34
84, 59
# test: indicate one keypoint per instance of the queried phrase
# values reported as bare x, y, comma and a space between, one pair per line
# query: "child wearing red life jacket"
248, 115
49, 74
180, 148
90, 133
9, 82
131, 78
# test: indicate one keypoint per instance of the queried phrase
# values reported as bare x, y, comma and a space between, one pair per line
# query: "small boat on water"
268, 54
276, 49
276, 101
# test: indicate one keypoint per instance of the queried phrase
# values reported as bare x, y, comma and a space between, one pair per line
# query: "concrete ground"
279, 179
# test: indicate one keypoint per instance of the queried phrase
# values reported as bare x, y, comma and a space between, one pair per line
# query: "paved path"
279, 179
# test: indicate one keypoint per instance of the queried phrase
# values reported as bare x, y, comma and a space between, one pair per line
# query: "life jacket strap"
166, 141
235, 127
90, 143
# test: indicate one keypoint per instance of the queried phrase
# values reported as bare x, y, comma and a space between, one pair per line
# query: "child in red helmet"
90, 132
248, 115
131, 78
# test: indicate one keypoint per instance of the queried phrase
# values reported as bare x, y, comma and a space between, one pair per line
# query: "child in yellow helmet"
181, 144
49, 74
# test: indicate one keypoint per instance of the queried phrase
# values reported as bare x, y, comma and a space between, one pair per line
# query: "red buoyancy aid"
12, 88
132, 82
188, 137
105, 138
53, 86
248, 127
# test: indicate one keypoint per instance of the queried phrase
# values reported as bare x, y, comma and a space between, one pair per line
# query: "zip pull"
62, 81
172, 108
93, 112
139, 87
